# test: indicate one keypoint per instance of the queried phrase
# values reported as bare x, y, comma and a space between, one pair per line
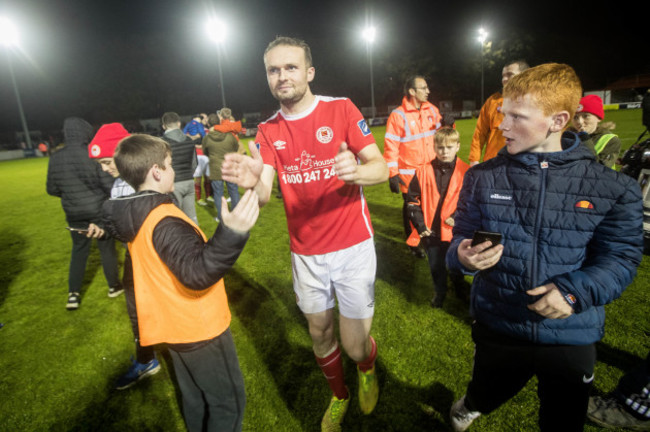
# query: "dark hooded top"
75, 178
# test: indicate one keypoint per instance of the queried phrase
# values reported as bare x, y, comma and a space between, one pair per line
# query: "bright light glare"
369, 34
8, 32
482, 35
216, 30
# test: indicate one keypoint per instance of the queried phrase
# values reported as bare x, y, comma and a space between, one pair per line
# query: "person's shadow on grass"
12, 246
300, 382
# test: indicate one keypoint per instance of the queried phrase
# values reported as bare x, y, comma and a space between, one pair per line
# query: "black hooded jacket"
75, 178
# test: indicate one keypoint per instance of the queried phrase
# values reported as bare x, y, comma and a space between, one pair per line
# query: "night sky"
123, 60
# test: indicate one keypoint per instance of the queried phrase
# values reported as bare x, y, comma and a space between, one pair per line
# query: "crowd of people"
546, 228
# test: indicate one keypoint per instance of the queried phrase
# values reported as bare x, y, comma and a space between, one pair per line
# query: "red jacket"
408, 143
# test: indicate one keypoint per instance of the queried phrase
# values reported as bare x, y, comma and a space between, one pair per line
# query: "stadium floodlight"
217, 31
8, 32
369, 34
482, 38
9, 38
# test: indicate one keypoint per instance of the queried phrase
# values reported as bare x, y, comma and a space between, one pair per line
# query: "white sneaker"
461, 417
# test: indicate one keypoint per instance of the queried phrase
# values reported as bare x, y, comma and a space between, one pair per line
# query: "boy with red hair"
538, 298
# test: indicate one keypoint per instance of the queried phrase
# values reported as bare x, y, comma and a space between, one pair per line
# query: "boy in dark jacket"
572, 239
179, 290
83, 187
431, 204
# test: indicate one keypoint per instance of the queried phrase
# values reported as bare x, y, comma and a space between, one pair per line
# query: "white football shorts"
346, 275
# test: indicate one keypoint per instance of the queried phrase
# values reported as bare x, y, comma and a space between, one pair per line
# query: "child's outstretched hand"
243, 216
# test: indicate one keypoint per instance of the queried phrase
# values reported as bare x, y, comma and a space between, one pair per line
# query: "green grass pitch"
58, 367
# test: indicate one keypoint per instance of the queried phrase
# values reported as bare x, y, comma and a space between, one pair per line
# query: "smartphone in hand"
78, 230
483, 236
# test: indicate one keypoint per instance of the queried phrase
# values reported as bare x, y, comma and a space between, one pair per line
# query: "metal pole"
223, 92
482, 92
28, 139
372, 83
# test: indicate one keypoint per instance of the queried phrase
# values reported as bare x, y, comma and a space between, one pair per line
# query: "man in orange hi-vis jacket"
487, 134
408, 143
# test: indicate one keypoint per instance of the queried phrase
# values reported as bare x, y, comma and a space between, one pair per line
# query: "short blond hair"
445, 134
553, 87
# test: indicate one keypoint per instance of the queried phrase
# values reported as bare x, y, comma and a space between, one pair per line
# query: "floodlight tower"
369, 34
217, 32
9, 38
482, 37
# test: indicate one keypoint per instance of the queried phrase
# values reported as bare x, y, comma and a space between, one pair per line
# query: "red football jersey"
323, 213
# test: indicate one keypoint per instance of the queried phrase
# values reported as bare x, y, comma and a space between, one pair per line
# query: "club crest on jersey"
363, 126
280, 145
324, 134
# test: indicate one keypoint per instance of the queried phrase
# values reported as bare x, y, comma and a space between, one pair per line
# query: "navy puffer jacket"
565, 219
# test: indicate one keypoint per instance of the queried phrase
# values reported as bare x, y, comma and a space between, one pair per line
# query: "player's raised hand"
244, 215
243, 170
345, 164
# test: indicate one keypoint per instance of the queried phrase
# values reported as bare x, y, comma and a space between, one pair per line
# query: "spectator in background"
215, 146
184, 162
595, 135
487, 135
228, 124
83, 187
408, 143
195, 129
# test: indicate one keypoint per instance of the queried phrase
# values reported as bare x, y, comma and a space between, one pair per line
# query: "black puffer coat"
75, 178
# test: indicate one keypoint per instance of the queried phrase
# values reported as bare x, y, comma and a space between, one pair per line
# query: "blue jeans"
217, 191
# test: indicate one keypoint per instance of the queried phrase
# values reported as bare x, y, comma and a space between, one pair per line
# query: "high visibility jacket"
430, 197
168, 311
487, 134
408, 143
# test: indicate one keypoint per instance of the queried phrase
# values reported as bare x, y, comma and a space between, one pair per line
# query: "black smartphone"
78, 230
483, 236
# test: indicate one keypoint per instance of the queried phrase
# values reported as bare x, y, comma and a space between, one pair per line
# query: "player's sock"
368, 363
332, 367
197, 190
207, 186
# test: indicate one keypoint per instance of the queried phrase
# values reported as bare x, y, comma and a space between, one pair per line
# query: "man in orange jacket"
408, 143
487, 134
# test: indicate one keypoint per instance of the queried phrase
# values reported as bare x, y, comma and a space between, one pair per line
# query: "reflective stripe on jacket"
408, 143
168, 311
